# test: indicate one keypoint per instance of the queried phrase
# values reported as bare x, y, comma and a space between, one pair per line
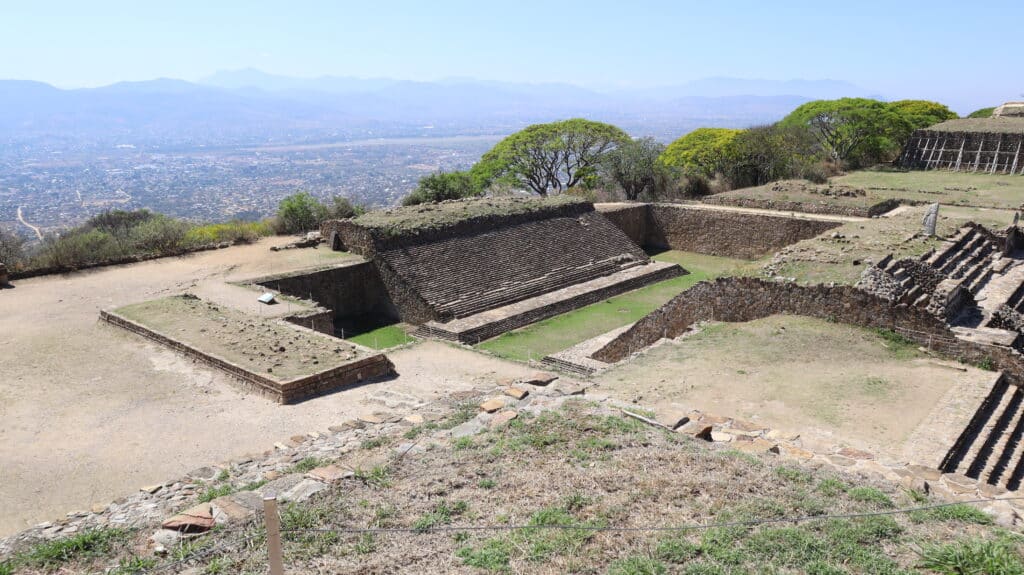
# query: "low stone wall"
347, 290
741, 299
285, 392
630, 218
727, 233
822, 207
713, 232
320, 320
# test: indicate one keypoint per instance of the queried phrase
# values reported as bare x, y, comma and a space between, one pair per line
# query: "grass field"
967, 189
383, 337
563, 331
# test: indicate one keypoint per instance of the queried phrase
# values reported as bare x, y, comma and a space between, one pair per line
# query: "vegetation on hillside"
301, 212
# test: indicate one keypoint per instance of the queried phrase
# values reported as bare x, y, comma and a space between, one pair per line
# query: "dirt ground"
89, 413
831, 382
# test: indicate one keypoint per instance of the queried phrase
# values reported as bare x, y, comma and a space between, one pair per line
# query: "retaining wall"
285, 392
985, 152
822, 207
741, 299
630, 218
346, 290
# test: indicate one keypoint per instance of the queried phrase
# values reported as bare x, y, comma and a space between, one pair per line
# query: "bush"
441, 186
341, 208
12, 249
158, 235
235, 231
78, 248
300, 213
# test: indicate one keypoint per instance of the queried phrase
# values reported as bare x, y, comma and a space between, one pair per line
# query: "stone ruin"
471, 269
988, 145
4, 278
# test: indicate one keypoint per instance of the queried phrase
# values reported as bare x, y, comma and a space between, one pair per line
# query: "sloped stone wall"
996, 153
727, 233
347, 290
630, 218
741, 299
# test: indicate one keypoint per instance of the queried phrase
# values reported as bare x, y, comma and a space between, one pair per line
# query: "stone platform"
491, 323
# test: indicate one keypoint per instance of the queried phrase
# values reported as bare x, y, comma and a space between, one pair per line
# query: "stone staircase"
463, 276
991, 449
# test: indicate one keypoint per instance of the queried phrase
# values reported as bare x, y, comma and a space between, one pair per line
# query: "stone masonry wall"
348, 291
727, 233
821, 207
630, 218
995, 153
285, 392
3, 274
746, 299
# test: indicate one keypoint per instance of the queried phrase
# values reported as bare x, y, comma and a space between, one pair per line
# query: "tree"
982, 113
765, 154
854, 130
342, 208
300, 212
549, 158
634, 166
703, 152
442, 186
917, 115
12, 249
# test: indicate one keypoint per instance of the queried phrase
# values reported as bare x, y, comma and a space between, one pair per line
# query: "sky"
942, 50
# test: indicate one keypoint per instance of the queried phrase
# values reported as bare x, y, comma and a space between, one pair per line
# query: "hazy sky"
938, 49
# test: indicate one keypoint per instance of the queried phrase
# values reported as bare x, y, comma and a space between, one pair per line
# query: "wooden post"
273, 523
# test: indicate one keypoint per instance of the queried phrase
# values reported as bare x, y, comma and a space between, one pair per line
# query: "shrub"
158, 235
441, 186
299, 213
973, 556
12, 249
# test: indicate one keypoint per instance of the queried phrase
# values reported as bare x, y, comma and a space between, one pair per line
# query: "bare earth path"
89, 413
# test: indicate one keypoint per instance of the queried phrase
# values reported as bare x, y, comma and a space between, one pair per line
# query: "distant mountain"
250, 106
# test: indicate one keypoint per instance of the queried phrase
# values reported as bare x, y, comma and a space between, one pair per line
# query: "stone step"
1003, 448
985, 427
1012, 454
1007, 412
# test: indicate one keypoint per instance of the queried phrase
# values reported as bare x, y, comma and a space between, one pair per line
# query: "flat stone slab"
502, 419
193, 520
303, 490
492, 405
330, 474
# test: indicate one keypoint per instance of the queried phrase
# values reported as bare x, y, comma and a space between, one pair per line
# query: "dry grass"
581, 466
433, 216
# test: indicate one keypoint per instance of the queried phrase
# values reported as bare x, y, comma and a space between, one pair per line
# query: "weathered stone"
796, 452
540, 379
756, 445
673, 419
371, 418
414, 418
746, 426
167, 538
226, 510
721, 436
303, 490
516, 392
492, 405
929, 473
409, 448
853, 453
151, 489
271, 475
471, 427
840, 460
193, 520
330, 473
502, 419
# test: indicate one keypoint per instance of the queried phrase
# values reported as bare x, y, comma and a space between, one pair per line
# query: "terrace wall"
285, 392
994, 153
347, 290
742, 299
822, 207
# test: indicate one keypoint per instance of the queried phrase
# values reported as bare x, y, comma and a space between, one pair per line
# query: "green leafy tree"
549, 158
917, 115
703, 152
634, 167
341, 208
765, 154
982, 113
852, 130
300, 212
442, 186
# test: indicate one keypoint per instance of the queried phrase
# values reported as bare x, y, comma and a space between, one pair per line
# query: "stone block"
516, 393
330, 474
196, 519
502, 419
492, 405
540, 379
303, 490
227, 510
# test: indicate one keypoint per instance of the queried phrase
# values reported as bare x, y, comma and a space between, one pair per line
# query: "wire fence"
274, 535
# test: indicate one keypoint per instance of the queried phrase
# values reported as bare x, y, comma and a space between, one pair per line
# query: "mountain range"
252, 107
